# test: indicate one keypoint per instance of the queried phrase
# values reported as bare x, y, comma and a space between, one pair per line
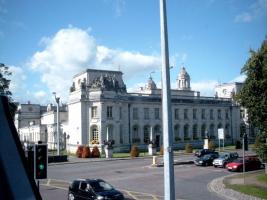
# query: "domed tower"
151, 85
183, 80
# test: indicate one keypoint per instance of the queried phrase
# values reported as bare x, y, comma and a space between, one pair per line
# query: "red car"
251, 163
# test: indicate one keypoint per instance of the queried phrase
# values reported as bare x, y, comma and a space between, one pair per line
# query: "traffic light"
40, 164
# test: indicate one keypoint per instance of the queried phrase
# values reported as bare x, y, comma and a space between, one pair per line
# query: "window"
135, 113
94, 112
194, 113
176, 113
211, 114
95, 134
203, 114
226, 114
146, 134
120, 112
185, 113
146, 113
121, 134
219, 114
109, 112
156, 113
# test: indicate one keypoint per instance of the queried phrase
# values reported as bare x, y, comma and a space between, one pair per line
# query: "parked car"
93, 189
251, 163
224, 159
203, 152
206, 159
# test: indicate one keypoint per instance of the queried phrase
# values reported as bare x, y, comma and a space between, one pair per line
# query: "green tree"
4, 87
253, 95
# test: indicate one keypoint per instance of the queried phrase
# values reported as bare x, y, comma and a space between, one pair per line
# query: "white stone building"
100, 108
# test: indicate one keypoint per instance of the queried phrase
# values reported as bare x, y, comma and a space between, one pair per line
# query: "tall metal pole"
169, 187
57, 100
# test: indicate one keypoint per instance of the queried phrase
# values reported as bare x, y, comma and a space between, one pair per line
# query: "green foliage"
188, 148
253, 95
211, 145
250, 190
134, 151
4, 87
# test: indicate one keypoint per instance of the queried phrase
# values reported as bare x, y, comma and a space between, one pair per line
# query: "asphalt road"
134, 177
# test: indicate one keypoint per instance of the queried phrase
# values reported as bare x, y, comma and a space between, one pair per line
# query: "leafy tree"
253, 95
4, 87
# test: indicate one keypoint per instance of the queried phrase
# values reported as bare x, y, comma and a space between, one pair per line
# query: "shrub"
211, 145
188, 148
134, 151
238, 145
95, 152
79, 151
86, 152
161, 151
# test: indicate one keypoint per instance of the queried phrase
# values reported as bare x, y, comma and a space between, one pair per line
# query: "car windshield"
207, 156
223, 156
100, 186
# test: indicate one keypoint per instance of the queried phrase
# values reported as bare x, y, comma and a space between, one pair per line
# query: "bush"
95, 152
161, 151
86, 152
238, 145
134, 151
79, 151
211, 145
188, 148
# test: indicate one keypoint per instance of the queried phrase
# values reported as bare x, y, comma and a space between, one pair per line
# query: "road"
135, 178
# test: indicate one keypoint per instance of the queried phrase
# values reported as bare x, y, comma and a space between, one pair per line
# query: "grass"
262, 178
250, 190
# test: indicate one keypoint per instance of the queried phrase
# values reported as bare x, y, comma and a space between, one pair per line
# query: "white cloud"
256, 10
17, 78
240, 78
206, 88
72, 50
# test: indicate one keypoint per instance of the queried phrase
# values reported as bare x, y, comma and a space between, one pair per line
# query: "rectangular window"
94, 112
185, 113
203, 114
219, 114
211, 114
176, 113
146, 113
109, 112
194, 113
121, 134
135, 113
156, 113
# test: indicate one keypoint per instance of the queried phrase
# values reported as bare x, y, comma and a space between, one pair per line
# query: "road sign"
220, 134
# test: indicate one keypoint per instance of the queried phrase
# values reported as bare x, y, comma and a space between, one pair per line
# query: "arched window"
146, 134
203, 130
135, 136
195, 131
177, 132
211, 131
186, 132
95, 135
227, 131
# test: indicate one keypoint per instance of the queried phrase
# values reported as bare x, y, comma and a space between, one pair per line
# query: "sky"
45, 43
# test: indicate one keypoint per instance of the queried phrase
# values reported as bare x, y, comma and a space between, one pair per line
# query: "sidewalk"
217, 186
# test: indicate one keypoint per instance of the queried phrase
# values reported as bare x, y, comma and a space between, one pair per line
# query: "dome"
151, 85
183, 80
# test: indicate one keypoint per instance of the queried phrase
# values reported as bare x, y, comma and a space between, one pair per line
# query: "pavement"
216, 186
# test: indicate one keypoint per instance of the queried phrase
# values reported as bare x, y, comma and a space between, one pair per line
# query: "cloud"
119, 7
206, 88
240, 78
256, 10
72, 50
17, 78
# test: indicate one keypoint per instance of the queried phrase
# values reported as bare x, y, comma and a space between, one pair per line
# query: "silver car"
224, 159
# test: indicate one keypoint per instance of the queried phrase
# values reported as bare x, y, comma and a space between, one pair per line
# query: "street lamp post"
57, 101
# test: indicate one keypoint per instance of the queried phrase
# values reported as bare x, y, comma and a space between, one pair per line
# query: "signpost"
221, 137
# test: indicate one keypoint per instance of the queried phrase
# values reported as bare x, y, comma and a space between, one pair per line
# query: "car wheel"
215, 166
71, 196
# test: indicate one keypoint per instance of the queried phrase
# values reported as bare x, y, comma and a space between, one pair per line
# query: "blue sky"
46, 43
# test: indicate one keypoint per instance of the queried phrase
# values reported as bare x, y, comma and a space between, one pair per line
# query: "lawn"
262, 178
250, 190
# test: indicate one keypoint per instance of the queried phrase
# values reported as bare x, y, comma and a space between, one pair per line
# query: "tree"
253, 95
4, 88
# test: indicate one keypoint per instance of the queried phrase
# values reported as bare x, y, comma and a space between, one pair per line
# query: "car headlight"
100, 197
200, 161
234, 166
